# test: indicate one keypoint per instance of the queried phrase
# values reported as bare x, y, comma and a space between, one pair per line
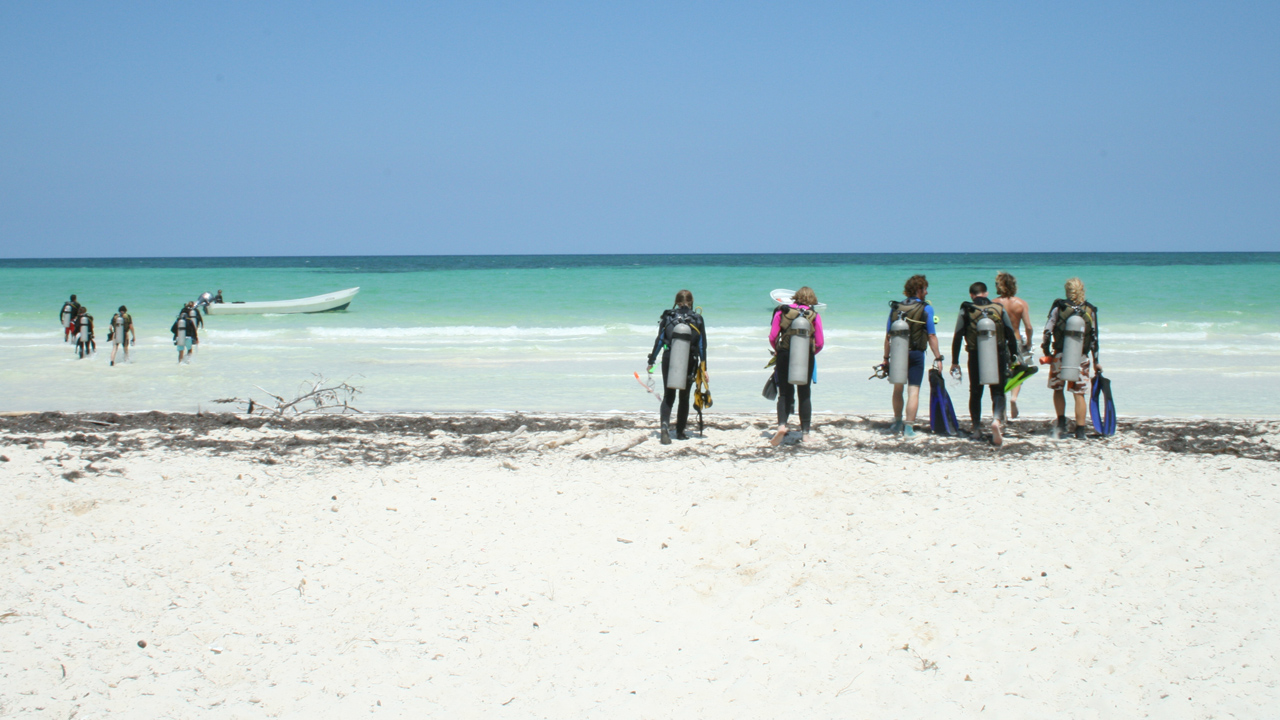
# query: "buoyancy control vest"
914, 314
683, 316
1086, 311
788, 316
974, 313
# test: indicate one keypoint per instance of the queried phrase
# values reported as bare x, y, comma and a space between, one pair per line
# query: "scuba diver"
682, 338
796, 336
85, 344
184, 330
921, 333
121, 329
1020, 316
70, 309
989, 338
1070, 338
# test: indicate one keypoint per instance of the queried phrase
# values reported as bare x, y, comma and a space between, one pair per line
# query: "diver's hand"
1097, 368
650, 368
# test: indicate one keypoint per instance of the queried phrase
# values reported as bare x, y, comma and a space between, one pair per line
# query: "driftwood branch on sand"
604, 452
315, 395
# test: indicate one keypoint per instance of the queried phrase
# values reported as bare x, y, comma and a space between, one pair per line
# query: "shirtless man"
1020, 316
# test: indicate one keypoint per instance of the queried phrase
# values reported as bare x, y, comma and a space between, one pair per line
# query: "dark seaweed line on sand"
389, 439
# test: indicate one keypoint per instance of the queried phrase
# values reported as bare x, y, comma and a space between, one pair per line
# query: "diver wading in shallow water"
121, 330
796, 336
911, 324
1070, 338
682, 338
85, 344
990, 341
70, 310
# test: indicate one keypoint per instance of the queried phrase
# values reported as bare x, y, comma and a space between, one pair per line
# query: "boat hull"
331, 302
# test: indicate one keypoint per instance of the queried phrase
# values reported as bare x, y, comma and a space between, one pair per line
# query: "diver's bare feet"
1013, 409
997, 438
776, 440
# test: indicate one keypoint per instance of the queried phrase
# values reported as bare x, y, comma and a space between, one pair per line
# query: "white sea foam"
455, 331
243, 334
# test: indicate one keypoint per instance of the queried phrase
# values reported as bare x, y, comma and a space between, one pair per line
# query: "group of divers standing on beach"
996, 333
77, 323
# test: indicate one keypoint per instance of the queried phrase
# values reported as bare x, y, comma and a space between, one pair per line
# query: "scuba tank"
899, 349
1072, 349
988, 353
678, 359
798, 364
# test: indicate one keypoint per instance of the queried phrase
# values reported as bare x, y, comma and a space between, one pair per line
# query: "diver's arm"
818, 339
1026, 321
658, 342
1010, 335
956, 337
702, 339
774, 329
1046, 342
933, 345
1096, 364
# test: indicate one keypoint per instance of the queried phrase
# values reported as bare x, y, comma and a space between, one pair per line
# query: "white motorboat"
320, 303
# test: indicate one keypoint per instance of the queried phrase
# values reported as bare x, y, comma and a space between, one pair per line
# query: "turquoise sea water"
1182, 334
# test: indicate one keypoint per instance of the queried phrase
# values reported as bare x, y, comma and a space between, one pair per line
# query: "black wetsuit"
1007, 351
697, 353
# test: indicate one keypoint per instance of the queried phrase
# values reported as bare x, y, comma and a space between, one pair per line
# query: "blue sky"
409, 128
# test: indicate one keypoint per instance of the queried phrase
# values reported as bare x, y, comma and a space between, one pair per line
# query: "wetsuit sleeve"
702, 339
1095, 336
818, 340
1046, 341
658, 342
773, 329
929, 328
956, 337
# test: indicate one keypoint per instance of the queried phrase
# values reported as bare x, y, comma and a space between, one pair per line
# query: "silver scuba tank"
988, 353
899, 351
678, 359
798, 364
1072, 349
84, 329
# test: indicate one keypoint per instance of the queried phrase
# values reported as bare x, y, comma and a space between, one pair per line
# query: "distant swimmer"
796, 336
1020, 316
908, 372
121, 330
84, 334
682, 338
990, 340
1070, 338
217, 299
70, 309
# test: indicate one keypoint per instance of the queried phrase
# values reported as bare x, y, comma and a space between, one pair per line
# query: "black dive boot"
666, 434
1059, 428
1081, 433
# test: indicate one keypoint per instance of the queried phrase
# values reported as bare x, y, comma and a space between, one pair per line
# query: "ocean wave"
29, 336
453, 331
242, 334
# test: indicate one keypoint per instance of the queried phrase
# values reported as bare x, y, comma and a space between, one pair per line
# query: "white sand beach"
466, 567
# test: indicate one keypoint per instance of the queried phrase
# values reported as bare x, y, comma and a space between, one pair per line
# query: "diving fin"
1103, 422
1019, 374
942, 414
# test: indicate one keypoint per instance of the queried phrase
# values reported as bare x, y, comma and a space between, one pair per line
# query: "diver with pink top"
796, 336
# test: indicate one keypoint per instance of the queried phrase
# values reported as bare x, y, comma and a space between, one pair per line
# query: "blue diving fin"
1103, 422
942, 414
